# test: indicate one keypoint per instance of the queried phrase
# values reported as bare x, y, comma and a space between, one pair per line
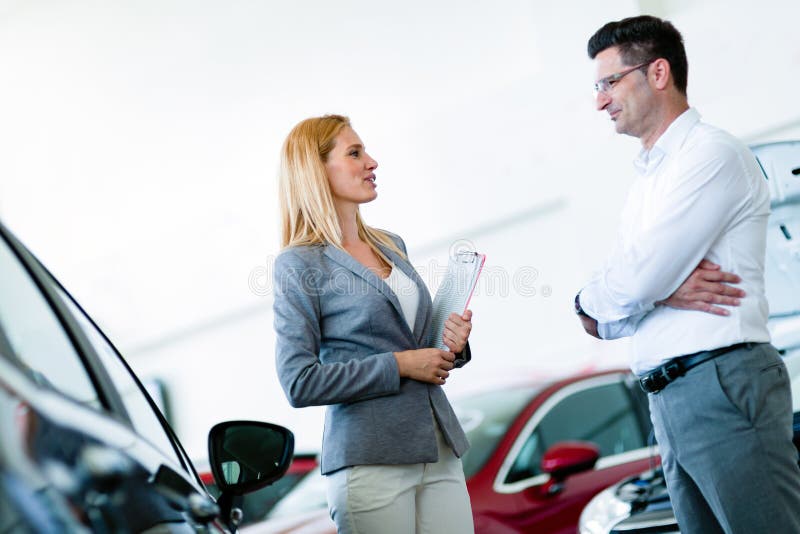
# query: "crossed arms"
706, 289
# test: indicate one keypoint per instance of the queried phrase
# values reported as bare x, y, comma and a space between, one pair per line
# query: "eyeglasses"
604, 85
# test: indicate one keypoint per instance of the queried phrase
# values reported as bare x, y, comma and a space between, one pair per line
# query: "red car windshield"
486, 418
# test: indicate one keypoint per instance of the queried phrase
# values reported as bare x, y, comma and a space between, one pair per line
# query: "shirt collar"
670, 141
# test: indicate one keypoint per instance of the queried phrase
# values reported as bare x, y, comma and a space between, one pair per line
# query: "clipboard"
454, 292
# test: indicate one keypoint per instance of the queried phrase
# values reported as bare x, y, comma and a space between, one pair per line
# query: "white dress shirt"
406, 292
700, 194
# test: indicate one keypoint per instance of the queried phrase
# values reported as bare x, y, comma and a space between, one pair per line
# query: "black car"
641, 504
83, 447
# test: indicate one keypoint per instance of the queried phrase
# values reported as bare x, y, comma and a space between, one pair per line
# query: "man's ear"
660, 73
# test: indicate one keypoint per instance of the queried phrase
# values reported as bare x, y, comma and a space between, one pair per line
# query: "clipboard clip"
466, 256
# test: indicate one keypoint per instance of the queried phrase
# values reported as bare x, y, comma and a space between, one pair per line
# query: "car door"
606, 410
88, 426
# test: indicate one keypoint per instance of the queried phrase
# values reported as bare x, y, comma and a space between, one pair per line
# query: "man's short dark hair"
642, 39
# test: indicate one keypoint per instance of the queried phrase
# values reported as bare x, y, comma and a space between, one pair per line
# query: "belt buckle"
645, 384
661, 377
653, 382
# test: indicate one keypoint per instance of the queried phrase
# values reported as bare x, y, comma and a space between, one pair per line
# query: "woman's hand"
425, 365
456, 331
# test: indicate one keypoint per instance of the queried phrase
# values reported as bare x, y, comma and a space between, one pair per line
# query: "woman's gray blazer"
337, 326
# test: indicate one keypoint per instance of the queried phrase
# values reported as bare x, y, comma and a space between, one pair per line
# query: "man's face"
627, 100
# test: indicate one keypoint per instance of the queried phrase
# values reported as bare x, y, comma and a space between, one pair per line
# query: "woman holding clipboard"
352, 319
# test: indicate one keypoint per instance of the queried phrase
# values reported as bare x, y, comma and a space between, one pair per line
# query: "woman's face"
351, 170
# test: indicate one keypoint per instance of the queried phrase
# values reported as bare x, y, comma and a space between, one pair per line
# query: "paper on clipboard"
454, 292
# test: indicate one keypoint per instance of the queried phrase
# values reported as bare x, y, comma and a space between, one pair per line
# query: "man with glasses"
719, 393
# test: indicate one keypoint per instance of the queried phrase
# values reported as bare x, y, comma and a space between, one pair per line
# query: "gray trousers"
725, 435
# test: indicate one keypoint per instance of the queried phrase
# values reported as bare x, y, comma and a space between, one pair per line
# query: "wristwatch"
578, 309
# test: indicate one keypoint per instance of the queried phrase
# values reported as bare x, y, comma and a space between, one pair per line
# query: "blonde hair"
308, 215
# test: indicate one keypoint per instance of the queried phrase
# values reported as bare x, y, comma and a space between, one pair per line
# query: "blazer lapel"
425, 307
350, 263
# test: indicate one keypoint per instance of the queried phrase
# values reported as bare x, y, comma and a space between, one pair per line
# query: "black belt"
660, 377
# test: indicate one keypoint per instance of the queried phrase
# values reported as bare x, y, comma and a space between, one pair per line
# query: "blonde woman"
352, 317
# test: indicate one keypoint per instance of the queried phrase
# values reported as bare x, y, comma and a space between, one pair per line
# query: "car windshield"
308, 495
485, 418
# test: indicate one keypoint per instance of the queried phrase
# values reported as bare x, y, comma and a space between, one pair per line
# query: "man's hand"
706, 286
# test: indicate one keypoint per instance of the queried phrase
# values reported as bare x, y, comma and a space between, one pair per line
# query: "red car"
539, 453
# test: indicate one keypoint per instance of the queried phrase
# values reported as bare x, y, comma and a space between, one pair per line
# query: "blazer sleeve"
305, 380
463, 357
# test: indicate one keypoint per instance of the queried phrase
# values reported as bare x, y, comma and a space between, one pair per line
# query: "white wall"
139, 145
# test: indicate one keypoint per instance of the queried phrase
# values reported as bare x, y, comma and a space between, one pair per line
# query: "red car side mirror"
567, 458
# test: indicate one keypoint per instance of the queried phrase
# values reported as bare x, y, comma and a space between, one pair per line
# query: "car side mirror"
246, 456
567, 458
